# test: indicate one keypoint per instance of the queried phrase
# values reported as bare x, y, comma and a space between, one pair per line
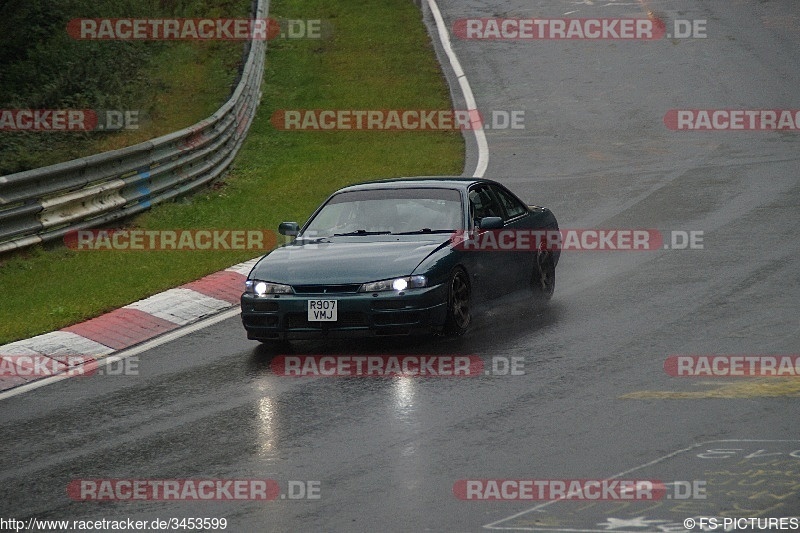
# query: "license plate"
322, 310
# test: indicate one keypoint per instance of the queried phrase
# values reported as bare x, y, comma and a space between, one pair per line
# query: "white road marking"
538, 508
463, 82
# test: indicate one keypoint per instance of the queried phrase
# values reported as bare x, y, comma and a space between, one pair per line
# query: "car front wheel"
544, 275
458, 304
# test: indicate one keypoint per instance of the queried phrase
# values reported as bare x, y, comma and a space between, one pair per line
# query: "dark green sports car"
400, 256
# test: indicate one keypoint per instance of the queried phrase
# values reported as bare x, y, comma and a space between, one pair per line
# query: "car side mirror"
289, 228
490, 223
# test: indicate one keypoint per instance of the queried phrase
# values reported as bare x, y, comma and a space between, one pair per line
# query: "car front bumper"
285, 317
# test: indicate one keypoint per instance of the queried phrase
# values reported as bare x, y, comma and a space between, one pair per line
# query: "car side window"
483, 204
512, 205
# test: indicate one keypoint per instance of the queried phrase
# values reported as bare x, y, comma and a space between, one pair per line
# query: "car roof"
448, 182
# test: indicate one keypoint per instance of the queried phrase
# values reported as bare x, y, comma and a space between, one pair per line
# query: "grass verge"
379, 56
168, 84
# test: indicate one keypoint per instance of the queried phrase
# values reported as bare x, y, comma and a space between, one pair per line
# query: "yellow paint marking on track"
769, 388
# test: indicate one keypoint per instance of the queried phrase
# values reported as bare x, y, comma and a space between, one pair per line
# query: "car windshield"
388, 211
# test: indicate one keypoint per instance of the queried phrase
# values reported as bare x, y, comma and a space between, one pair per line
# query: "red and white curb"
133, 324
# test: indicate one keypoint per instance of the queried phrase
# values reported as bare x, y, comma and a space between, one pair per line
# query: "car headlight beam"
397, 284
262, 288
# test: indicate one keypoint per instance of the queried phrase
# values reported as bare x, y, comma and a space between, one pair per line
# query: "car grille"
269, 321
326, 289
262, 307
345, 320
385, 319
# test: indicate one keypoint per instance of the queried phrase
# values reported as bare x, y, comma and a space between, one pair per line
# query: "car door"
491, 264
518, 262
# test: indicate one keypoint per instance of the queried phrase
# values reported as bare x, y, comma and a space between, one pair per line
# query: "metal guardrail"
47, 203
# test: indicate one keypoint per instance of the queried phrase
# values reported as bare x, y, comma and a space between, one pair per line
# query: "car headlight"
397, 284
260, 288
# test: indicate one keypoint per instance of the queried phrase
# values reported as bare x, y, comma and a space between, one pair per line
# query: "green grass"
185, 83
379, 56
170, 84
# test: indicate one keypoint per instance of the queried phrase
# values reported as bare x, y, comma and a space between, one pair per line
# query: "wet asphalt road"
594, 401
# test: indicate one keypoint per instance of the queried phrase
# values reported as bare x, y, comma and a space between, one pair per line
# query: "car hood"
345, 260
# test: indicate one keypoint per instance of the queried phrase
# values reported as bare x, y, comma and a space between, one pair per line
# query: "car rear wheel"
544, 275
459, 297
